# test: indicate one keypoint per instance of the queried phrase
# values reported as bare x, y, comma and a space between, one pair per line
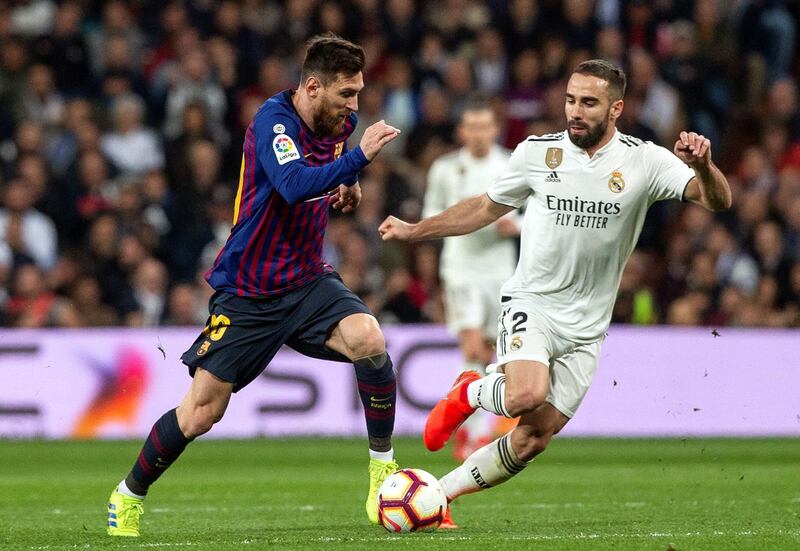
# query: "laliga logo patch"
616, 183
284, 148
279, 128
516, 343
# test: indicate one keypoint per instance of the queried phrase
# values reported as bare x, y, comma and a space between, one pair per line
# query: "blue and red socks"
162, 447
377, 388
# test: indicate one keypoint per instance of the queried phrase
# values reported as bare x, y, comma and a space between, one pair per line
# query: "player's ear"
312, 86
616, 109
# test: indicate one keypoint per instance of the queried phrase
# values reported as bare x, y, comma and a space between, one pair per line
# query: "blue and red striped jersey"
281, 208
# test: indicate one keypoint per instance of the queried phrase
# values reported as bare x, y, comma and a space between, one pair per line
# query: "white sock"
123, 489
489, 466
489, 393
383, 456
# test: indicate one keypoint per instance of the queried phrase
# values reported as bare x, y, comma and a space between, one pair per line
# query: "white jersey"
582, 222
483, 254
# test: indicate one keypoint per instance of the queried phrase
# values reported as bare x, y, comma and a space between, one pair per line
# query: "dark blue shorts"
243, 334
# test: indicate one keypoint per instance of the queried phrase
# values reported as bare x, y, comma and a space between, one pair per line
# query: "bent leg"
519, 388
202, 406
359, 338
507, 456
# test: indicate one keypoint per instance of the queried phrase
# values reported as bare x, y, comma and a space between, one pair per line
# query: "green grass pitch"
309, 493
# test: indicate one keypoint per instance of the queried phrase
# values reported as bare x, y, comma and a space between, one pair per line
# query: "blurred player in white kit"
473, 267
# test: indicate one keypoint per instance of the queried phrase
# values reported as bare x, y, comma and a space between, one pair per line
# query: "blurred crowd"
121, 126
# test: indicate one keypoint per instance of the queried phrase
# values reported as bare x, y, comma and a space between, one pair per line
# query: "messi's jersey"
281, 208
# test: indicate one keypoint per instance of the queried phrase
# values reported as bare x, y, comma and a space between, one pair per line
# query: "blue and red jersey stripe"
281, 209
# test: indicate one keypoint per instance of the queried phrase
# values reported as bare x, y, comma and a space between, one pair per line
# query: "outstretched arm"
709, 187
462, 218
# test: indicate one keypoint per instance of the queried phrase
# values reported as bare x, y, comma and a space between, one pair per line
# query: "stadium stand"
121, 126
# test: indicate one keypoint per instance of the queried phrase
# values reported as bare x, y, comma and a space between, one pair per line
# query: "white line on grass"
436, 537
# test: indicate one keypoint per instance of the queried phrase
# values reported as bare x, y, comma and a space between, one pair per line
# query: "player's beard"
592, 136
325, 123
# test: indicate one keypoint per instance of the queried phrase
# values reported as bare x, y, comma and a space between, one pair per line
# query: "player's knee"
521, 401
201, 419
371, 344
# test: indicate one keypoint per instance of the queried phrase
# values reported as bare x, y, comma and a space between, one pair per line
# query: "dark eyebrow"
583, 98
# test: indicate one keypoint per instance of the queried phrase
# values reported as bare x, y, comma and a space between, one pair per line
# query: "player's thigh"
523, 335
571, 374
356, 336
242, 335
527, 383
339, 326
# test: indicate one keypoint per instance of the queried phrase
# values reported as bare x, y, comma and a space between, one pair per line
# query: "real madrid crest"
516, 343
616, 183
553, 157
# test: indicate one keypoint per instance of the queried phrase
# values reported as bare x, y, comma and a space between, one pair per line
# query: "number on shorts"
219, 324
519, 319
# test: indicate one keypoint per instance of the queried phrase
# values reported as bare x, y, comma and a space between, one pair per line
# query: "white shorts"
525, 335
473, 305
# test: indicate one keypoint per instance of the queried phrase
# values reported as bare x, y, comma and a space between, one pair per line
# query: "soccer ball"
411, 500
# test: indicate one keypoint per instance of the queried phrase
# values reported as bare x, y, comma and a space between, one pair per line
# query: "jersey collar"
599, 153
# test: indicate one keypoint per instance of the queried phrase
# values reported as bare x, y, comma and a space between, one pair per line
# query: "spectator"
24, 229
32, 305
149, 284
130, 146
191, 76
660, 105
196, 83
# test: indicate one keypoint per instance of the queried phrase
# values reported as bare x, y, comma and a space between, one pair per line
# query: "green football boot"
123, 515
378, 471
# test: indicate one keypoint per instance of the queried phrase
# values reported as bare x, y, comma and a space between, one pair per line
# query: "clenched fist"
375, 137
693, 149
394, 228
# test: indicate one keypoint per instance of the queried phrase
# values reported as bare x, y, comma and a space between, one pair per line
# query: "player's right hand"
375, 137
394, 228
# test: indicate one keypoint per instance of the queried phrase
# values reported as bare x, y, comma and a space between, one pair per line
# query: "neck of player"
302, 104
609, 133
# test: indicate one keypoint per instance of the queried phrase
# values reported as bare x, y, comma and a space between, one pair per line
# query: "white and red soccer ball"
411, 500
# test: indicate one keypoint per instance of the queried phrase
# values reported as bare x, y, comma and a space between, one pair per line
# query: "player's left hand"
394, 228
346, 198
693, 149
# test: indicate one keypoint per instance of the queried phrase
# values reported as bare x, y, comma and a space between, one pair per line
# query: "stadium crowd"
121, 127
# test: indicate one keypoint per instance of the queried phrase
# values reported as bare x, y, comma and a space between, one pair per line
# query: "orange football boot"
447, 522
447, 415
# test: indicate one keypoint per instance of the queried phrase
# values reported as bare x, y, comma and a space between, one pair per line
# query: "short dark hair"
607, 71
329, 55
477, 102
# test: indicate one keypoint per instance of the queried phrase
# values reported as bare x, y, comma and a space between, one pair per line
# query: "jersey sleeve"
436, 193
668, 174
512, 188
354, 179
278, 149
